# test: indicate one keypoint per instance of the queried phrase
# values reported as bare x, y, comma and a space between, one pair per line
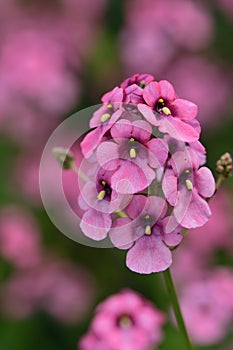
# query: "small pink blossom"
132, 154
186, 188
173, 114
98, 200
19, 238
125, 321
56, 287
144, 232
207, 307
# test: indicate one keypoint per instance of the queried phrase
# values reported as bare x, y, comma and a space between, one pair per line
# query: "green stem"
79, 173
218, 182
176, 307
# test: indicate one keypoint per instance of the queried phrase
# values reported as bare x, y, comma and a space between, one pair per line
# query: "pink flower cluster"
147, 181
39, 282
124, 321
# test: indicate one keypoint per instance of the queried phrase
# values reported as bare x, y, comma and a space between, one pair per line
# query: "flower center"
142, 84
132, 151
148, 222
105, 191
105, 117
125, 322
161, 108
186, 179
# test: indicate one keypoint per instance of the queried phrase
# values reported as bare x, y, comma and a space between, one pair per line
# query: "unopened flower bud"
64, 157
224, 165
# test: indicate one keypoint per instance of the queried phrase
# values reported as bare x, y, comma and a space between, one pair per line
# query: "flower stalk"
176, 308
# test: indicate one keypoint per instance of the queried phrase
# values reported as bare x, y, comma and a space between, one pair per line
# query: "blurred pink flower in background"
57, 287
201, 245
207, 306
199, 80
124, 321
42, 52
167, 26
27, 169
19, 237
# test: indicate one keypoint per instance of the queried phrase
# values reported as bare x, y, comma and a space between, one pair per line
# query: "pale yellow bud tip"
101, 195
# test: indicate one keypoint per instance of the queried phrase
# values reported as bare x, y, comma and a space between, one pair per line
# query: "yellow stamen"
187, 171
105, 117
147, 217
161, 100
101, 195
131, 139
189, 185
109, 105
148, 230
132, 153
103, 182
125, 322
166, 111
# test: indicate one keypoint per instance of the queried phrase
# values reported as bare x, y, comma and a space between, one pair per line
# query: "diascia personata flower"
150, 182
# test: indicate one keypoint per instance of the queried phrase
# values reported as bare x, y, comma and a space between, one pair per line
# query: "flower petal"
115, 95
95, 225
204, 182
131, 178
178, 129
173, 237
170, 187
141, 131
184, 109
158, 153
92, 140
167, 91
108, 155
148, 114
156, 207
122, 129
193, 212
122, 234
152, 93
149, 254
136, 206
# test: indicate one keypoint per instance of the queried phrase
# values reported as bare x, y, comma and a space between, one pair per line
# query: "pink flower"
173, 114
207, 307
102, 120
125, 321
19, 238
186, 188
169, 26
195, 150
198, 80
132, 154
145, 226
133, 87
98, 200
55, 287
